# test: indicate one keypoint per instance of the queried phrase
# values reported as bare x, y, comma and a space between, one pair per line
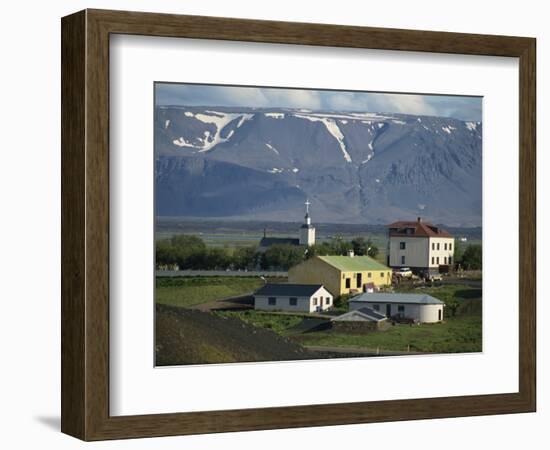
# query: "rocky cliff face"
354, 167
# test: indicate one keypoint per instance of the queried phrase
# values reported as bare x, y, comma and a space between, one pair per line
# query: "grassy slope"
196, 290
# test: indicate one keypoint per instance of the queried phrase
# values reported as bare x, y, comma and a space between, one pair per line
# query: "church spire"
307, 231
308, 219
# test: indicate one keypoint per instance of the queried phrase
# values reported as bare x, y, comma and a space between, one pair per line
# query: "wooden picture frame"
85, 224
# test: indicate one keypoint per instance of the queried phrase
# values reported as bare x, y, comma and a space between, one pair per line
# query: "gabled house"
425, 248
342, 274
293, 297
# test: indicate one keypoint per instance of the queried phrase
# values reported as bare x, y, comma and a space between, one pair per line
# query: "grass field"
279, 323
189, 291
457, 334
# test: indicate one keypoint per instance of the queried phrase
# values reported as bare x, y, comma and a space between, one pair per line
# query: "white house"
423, 247
293, 297
420, 307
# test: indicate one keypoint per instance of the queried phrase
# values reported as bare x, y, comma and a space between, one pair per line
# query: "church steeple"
307, 231
307, 218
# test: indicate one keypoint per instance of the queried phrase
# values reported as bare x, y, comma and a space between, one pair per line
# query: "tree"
472, 257
362, 246
189, 251
244, 258
216, 258
282, 256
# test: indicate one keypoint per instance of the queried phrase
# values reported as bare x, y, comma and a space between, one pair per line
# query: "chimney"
419, 219
351, 254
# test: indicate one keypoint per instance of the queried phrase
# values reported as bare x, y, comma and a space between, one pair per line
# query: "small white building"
419, 245
293, 297
419, 307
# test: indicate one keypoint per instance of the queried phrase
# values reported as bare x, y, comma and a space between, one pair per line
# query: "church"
305, 238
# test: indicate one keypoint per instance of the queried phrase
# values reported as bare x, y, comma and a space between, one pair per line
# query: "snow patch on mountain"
270, 147
333, 129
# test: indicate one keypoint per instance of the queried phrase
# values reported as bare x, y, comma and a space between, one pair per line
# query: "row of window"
400, 308
449, 260
435, 260
293, 301
435, 246
446, 246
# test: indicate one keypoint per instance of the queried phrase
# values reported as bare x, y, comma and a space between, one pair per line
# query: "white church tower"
307, 231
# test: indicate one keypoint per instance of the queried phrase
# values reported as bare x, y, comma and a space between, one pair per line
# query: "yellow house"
341, 274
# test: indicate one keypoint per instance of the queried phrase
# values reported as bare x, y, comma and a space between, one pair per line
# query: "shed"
359, 320
419, 307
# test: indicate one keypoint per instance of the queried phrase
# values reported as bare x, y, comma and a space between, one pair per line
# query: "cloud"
459, 107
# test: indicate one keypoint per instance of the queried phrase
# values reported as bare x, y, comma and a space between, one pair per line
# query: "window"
403, 259
401, 309
450, 246
402, 246
445, 260
293, 301
315, 301
369, 275
438, 245
450, 260
437, 260
381, 274
433, 260
348, 283
272, 301
376, 307
327, 301
445, 246
433, 245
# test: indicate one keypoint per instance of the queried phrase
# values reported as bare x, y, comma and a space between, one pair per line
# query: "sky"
466, 108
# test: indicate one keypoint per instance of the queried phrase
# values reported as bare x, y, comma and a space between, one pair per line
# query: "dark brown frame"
85, 224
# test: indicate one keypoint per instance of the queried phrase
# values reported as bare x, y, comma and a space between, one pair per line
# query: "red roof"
417, 229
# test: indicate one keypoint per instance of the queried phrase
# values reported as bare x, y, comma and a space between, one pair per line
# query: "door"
388, 310
359, 280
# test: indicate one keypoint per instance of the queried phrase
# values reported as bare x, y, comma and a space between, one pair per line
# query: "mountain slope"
354, 167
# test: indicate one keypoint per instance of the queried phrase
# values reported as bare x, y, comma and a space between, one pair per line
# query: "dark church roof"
269, 241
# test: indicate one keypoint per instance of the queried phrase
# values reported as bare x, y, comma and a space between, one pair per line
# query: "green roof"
353, 263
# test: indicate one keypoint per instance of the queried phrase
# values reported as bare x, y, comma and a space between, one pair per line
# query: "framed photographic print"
267, 224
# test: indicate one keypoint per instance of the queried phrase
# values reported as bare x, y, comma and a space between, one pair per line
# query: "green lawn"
280, 323
459, 333
189, 291
456, 335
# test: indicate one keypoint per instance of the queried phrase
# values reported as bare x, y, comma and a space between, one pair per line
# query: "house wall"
443, 254
318, 271
416, 251
421, 313
304, 304
378, 277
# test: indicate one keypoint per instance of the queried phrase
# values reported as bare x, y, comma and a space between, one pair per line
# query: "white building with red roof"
423, 247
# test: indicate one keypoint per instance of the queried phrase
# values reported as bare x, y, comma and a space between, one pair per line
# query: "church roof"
269, 241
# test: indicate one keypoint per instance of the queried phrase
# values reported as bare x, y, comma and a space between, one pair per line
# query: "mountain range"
354, 167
